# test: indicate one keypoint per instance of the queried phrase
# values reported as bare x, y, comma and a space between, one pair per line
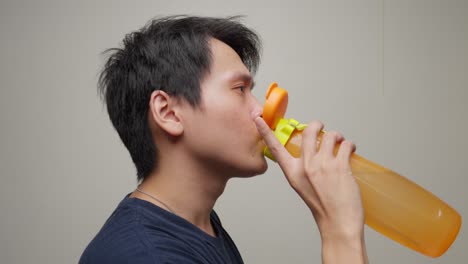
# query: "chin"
259, 167
263, 167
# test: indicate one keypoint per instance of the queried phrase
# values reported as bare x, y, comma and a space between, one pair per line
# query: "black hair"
171, 54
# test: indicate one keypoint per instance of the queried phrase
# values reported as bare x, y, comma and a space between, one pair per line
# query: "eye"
241, 88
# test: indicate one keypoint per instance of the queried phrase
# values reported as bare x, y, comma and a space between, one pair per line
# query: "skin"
200, 149
325, 184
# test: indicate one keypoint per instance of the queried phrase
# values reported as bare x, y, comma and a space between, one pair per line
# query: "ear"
165, 113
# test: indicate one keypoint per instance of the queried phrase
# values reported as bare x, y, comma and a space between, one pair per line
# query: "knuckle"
312, 130
339, 135
308, 132
315, 126
347, 143
331, 135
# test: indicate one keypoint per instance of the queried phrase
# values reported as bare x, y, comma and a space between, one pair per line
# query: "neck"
189, 190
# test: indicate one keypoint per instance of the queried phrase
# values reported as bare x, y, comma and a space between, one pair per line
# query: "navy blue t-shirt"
140, 232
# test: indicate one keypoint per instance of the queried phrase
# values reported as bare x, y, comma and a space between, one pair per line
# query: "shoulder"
119, 240
129, 237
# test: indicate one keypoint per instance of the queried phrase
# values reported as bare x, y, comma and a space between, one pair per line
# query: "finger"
309, 139
347, 147
330, 139
278, 151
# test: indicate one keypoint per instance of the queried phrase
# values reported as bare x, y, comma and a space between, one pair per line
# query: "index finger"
278, 151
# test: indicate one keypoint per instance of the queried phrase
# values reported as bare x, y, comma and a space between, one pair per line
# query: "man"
179, 95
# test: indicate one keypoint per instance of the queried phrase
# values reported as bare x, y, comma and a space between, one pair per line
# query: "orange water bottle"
394, 206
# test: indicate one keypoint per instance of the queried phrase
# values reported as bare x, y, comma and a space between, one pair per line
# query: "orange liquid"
397, 207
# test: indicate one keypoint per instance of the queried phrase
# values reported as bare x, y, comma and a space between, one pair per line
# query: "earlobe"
164, 112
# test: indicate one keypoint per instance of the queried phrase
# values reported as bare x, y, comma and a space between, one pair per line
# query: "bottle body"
397, 207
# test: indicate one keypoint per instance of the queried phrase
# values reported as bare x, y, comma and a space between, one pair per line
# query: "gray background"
391, 76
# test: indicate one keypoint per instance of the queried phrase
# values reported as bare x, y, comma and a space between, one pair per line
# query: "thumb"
278, 151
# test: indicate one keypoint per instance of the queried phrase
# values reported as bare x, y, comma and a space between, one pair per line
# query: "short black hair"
171, 54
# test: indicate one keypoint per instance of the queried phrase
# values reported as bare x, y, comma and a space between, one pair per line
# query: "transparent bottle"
394, 206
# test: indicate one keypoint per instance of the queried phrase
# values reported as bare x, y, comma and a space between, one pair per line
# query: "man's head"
178, 62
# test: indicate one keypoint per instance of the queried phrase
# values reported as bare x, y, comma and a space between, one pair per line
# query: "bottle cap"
275, 105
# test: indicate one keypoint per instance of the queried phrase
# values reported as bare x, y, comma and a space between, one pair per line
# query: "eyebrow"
247, 78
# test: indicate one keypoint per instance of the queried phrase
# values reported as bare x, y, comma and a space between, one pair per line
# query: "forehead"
226, 63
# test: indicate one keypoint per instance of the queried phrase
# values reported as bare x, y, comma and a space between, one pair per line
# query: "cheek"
237, 120
229, 122
241, 134
227, 113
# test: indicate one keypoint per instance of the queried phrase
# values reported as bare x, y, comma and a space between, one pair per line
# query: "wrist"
344, 248
348, 240
335, 232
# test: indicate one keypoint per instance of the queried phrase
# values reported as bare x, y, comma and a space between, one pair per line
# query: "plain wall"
391, 76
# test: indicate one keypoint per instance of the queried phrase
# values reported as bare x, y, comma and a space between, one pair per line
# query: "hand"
322, 180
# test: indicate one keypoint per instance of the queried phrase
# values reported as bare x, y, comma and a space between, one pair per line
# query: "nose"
256, 106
